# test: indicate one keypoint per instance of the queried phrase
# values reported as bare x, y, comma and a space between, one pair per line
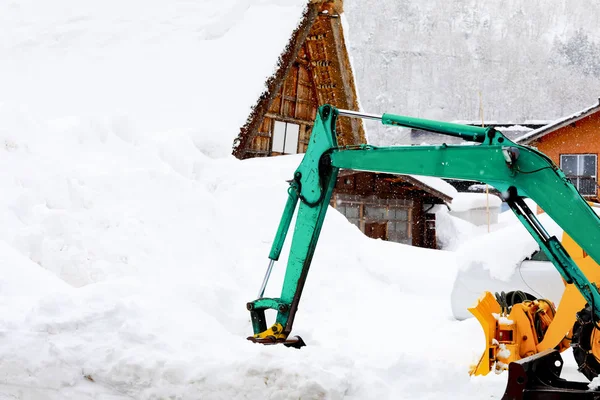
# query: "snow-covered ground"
130, 241
123, 275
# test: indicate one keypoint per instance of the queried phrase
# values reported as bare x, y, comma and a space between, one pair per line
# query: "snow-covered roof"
510, 130
559, 123
197, 65
314, 69
434, 186
470, 201
438, 184
496, 124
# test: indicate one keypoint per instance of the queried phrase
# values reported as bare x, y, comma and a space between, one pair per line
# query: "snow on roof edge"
559, 123
434, 183
276, 74
496, 123
437, 184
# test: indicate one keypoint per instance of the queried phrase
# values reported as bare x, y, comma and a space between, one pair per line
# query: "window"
581, 170
399, 214
399, 226
351, 212
375, 213
285, 138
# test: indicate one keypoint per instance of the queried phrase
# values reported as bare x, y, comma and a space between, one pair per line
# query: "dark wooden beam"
289, 120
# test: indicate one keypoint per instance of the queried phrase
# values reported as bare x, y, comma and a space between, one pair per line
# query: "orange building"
573, 143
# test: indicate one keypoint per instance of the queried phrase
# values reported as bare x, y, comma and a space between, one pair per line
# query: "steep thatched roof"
319, 35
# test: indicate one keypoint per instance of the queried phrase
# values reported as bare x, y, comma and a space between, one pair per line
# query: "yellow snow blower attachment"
517, 325
511, 332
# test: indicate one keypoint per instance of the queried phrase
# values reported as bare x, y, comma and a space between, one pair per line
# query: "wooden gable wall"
314, 70
296, 102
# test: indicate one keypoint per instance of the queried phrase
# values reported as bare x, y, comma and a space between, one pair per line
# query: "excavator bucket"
296, 342
484, 311
538, 378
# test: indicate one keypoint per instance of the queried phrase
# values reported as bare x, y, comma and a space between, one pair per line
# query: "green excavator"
517, 171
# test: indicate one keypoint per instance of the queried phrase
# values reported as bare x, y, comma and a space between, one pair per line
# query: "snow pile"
504, 352
129, 247
162, 252
502, 250
469, 201
595, 383
148, 66
162, 247
452, 231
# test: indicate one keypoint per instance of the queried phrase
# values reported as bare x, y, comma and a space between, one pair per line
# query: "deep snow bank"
154, 65
129, 248
162, 246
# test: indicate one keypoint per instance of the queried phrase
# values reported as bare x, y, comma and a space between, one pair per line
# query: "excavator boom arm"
518, 171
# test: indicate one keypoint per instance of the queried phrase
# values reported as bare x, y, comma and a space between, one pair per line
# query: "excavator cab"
526, 335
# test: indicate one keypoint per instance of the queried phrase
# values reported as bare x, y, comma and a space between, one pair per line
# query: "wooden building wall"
315, 70
295, 103
387, 207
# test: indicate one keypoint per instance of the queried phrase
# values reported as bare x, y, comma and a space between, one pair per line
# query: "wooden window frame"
285, 125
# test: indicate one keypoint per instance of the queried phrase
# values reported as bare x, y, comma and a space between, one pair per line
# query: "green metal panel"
313, 183
533, 175
467, 132
284, 224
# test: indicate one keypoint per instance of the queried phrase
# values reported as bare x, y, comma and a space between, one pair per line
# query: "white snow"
438, 184
491, 251
130, 240
504, 352
148, 66
503, 320
534, 134
595, 383
452, 231
469, 201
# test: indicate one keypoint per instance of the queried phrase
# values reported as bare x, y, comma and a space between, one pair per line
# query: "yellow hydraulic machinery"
516, 325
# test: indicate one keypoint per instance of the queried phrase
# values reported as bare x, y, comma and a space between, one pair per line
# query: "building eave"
408, 179
560, 123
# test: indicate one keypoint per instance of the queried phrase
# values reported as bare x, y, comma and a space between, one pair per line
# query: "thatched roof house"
312, 69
